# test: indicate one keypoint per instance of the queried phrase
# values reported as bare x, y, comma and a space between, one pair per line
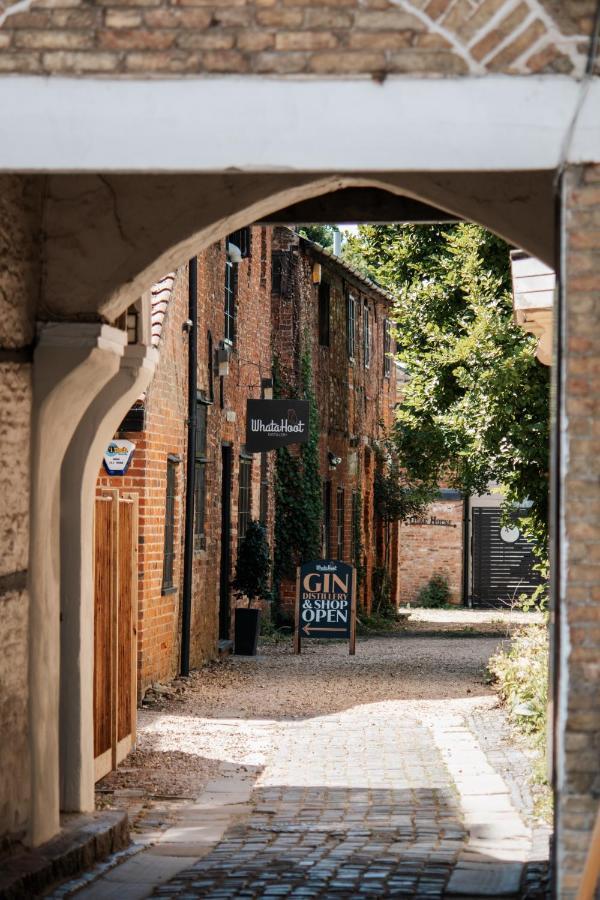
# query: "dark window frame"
366, 335
169, 532
242, 239
200, 465
230, 304
351, 325
340, 521
326, 523
324, 301
387, 348
244, 495
264, 488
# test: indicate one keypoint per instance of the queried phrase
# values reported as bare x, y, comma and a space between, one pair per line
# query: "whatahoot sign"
275, 423
326, 602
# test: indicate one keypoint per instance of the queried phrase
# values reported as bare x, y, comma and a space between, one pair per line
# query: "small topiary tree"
253, 566
435, 594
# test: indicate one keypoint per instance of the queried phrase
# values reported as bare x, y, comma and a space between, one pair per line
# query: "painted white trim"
252, 124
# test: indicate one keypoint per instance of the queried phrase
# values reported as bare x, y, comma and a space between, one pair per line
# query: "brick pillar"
578, 696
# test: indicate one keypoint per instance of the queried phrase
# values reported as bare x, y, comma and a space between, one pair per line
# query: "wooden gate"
115, 628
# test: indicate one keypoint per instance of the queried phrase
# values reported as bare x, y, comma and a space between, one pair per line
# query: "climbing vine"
358, 550
298, 497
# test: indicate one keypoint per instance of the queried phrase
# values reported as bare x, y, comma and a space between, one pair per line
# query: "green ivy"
298, 493
358, 549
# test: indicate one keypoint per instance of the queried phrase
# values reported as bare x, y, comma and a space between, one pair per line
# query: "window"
351, 325
210, 367
367, 335
264, 488
200, 461
324, 293
244, 496
326, 530
281, 274
387, 348
340, 523
241, 239
230, 297
169, 539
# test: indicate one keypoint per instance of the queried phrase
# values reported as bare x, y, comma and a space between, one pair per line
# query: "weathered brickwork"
429, 546
341, 37
354, 397
19, 274
579, 696
165, 436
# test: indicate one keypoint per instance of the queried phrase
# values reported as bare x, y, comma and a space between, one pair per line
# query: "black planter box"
247, 627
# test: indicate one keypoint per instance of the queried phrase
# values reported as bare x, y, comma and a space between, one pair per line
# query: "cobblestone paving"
357, 804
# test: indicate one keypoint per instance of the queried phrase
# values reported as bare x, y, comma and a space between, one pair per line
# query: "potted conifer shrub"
251, 583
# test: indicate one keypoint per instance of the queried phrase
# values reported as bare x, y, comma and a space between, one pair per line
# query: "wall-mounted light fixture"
223, 354
266, 388
234, 254
334, 460
316, 273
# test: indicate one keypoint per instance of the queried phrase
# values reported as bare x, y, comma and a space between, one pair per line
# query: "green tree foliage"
320, 234
476, 405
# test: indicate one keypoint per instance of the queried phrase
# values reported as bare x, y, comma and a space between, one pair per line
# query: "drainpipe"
466, 552
190, 481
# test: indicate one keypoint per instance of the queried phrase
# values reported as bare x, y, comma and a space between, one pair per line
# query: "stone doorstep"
83, 841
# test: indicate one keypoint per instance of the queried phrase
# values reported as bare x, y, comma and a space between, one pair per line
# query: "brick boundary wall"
579, 697
341, 37
426, 550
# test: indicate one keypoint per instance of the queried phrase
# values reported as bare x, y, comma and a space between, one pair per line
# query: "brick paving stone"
323, 824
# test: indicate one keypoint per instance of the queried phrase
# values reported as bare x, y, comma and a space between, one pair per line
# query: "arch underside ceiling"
108, 238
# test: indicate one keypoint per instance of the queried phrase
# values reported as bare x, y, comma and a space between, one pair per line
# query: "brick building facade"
158, 469
324, 307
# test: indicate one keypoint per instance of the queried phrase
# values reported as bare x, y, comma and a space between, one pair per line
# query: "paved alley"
392, 773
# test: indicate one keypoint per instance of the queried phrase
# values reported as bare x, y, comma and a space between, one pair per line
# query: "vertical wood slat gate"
115, 627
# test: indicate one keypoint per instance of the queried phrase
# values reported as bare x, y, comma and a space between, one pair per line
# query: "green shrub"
521, 675
253, 566
435, 594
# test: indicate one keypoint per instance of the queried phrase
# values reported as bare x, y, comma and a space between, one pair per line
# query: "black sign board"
275, 423
326, 602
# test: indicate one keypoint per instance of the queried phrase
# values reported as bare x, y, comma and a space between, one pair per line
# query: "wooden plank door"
115, 627
104, 584
126, 662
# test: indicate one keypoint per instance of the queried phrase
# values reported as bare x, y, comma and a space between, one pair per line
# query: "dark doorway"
226, 475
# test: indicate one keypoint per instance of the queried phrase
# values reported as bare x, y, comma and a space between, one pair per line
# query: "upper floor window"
387, 348
324, 301
200, 461
230, 300
169, 534
367, 335
341, 515
244, 496
326, 523
241, 239
351, 325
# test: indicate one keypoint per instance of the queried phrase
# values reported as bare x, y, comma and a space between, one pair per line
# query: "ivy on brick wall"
298, 494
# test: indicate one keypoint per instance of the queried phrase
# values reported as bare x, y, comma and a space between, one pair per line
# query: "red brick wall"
165, 433
355, 403
427, 549
166, 413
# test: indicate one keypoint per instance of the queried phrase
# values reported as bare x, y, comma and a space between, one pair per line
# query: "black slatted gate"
502, 560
